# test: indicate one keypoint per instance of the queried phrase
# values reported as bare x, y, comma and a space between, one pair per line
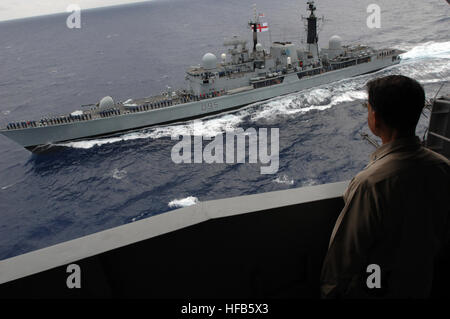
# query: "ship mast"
311, 30
312, 24
253, 25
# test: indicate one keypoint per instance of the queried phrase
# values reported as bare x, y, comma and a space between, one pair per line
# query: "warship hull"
37, 139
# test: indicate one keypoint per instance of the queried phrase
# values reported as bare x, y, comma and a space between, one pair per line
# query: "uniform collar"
395, 146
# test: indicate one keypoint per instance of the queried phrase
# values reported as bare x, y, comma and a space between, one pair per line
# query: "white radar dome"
106, 102
259, 47
209, 61
335, 43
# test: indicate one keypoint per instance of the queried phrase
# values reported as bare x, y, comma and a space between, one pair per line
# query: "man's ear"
378, 121
371, 119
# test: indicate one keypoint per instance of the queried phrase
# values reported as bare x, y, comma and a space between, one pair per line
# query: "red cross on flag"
262, 27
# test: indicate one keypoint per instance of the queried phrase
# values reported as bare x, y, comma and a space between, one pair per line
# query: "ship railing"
310, 72
49, 121
268, 82
109, 113
21, 125
186, 98
148, 106
210, 95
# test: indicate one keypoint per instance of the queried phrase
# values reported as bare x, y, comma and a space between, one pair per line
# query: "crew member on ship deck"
396, 222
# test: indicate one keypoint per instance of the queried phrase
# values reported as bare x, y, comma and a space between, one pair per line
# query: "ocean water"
135, 51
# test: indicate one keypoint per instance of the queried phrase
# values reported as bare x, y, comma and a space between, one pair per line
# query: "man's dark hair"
398, 100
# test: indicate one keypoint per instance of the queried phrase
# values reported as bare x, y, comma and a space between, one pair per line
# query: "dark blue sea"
137, 50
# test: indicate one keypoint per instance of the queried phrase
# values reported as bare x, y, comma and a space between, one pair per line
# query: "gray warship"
242, 76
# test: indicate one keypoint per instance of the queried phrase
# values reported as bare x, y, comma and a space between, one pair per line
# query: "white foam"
119, 174
313, 99
7, 186
210, 127
433, 81
207, 127
138, 217
428, 50
433, 71
184, 202
309, 182
284, 179
91, 143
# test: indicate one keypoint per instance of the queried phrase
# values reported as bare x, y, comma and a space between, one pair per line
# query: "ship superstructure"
241, 77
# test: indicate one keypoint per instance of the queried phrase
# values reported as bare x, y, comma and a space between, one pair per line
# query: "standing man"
396, 218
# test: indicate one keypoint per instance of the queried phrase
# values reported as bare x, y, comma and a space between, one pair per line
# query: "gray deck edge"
100, 242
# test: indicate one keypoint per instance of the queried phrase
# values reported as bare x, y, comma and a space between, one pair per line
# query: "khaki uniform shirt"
396, 216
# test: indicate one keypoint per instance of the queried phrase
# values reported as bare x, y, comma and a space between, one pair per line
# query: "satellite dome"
335, 43
209, 61
259, 47
106, 102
